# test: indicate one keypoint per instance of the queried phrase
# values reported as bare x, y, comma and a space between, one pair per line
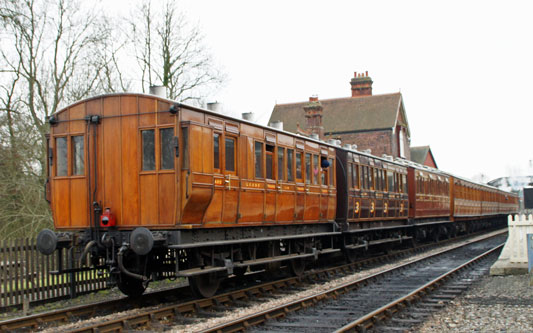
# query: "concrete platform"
504, 266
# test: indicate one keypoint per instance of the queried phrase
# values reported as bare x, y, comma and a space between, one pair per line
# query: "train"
147, 188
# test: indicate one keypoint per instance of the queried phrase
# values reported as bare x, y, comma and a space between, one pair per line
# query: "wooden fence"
25, 275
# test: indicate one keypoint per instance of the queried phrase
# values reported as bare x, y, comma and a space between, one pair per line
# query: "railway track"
358, 306
191, 311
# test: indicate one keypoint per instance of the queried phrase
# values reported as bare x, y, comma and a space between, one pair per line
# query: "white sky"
464, 67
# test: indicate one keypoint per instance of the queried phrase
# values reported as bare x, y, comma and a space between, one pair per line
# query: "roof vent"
367, 151
248, 116
387, 157
332, 142
354, 147
160, 91
347, 146
214, 106
314, 136
277, 124
338, 143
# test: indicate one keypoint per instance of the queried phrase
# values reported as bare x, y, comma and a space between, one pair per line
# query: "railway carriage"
149, 189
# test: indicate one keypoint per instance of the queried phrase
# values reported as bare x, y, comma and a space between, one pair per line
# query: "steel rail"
368, 321
37, 321
333, 293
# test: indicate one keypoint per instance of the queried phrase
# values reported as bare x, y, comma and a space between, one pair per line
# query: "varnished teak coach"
151, 189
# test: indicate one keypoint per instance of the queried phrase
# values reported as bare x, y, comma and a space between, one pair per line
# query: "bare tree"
53, 53
170, 52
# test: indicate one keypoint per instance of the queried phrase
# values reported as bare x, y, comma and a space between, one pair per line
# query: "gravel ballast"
494, 304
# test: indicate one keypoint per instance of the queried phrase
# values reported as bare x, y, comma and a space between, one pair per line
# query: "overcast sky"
464, 68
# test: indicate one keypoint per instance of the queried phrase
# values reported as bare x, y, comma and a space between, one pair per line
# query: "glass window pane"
281, 152
269, 166
298, 165
78, 155
331, 170
216, 151
185, 147
258, 159
308, 168
356, 176
316, 169
62, 153
148, 148
167, 148
230, 154
290, 171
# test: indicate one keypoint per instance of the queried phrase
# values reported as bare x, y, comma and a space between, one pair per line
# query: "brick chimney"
313, 116
361, 85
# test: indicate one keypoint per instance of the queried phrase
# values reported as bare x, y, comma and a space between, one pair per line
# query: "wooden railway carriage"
178, 191
151, 189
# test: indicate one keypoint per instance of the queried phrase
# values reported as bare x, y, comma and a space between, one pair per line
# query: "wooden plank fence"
25, 275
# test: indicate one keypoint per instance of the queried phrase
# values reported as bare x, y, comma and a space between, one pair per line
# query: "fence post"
72, 273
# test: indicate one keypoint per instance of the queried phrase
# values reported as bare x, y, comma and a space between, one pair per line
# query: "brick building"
375, 122
423, 155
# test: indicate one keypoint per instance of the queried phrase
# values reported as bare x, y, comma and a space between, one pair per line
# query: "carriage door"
270, 197
231, 180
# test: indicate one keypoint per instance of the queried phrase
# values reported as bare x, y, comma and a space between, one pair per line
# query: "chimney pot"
354, 74
366, 73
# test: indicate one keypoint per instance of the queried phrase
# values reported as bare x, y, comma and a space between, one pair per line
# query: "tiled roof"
419, 154
344, 114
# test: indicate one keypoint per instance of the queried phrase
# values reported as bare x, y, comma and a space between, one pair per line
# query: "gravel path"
495, 304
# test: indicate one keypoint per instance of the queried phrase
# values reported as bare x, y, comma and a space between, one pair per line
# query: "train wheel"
205, 285
130, 286
297, 266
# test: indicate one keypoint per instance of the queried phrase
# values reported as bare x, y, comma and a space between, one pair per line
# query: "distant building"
423, 155
375, 122
512, 184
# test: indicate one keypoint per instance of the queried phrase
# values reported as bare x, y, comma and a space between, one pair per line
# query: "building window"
230, 154
401, 143
167, 147
62, 157
78, 156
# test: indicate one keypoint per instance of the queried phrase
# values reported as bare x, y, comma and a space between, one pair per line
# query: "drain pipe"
86, 250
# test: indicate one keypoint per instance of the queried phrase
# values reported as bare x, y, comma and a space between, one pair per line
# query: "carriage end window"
167, 147
308, 168
61, 156
78, 156
281, 153
258, 159
299, 165
148, 150
290, 170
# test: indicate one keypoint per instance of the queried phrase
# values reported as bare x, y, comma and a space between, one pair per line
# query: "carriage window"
331, 170
281, 152
290, 170
185, 147
349, 176
148, 149
299, 165
62, 153
258, 159
404, 183
390, 180
230, 154
216, 151
167, 155
269, 161
78, 155
356, 176
308, 168
316, 169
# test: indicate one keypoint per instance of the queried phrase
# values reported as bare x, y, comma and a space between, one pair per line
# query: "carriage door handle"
228, 181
